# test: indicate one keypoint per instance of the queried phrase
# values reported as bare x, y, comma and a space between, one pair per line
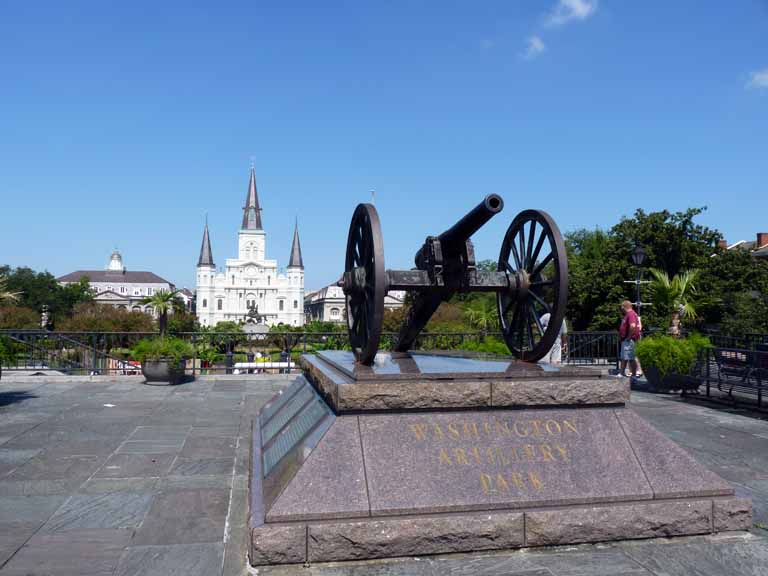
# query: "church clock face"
250, 271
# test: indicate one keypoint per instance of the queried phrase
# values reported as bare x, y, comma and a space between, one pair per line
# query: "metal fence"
83, 353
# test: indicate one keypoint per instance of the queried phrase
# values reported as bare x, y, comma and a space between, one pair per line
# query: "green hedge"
671, 355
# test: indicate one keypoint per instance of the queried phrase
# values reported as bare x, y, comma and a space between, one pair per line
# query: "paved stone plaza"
115, 477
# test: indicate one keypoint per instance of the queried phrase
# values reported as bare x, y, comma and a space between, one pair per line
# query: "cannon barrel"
452, 240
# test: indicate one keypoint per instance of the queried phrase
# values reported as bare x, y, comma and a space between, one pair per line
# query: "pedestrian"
629, 333
555, 354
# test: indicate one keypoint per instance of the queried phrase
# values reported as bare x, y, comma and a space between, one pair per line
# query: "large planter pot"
670, 382
162, 371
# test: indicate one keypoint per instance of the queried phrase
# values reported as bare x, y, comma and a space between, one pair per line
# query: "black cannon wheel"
364, 283
534, 258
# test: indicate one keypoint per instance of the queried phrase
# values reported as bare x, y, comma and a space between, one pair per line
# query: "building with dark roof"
120, 287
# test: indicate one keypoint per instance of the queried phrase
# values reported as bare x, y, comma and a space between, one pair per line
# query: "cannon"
530, 279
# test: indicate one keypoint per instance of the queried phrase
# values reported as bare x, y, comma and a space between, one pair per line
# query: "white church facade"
250, 288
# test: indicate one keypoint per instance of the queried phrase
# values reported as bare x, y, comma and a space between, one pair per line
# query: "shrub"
671, 355
174, 348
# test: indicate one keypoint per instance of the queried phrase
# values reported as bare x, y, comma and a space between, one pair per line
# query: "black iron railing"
84, 353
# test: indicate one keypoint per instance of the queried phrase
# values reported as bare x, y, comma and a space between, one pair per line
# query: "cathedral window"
205, 303
233, 279
281, 305
269, 280
219, 304
295, 304
334, 312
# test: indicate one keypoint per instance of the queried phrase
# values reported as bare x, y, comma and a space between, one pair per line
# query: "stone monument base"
353, 478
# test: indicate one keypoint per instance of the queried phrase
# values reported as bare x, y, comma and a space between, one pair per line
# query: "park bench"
745, 371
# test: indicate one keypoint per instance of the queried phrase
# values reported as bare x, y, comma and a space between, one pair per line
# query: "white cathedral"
250, 288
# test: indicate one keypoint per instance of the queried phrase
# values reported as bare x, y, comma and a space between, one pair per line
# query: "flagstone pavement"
119, 478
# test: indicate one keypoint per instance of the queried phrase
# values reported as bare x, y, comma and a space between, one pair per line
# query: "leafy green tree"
38, 289
93, 317
6, 296
182, 321
163, 301
482, 313
18, 318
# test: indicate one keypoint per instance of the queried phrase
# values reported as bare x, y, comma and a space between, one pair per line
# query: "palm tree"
162, 301
674, 297
482, 314
5, 294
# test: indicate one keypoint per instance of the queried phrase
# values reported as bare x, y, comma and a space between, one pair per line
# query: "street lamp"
638, 257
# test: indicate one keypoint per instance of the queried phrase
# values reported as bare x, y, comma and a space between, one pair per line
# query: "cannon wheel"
534, 258
365, 302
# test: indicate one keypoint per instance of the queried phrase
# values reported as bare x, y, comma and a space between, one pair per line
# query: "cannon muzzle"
454, 238
452, 241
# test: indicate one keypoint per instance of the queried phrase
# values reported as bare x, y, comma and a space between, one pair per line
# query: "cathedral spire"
206, 257
295, 260
252, 210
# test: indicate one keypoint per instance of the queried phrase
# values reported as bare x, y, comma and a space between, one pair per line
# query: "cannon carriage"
530, 280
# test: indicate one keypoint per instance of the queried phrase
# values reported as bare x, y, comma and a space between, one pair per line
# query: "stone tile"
208, 447
76, 553
194, 482
169, 434
236, 547
205, 502
91, 511
704, 558
29, 508
230, 431
202, 466
331, 482
107, 485
13, 535
10, 459
617, 522
180, 560
149, 447
51, 465
38, 487
435, 462
672, 472
413, 536
135, 466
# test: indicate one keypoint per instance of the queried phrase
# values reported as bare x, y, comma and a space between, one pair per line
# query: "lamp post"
638, 257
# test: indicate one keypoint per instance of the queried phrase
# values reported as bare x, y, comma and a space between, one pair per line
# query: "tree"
93, 317
162, 301
18, 318
674, 297
483, 314
600, 263
6, 296
38, 289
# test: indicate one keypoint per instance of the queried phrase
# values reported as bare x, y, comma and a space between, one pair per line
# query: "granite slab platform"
419, 381
397, 483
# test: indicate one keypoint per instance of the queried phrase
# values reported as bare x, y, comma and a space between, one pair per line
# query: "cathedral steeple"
206, 257
295, 260
252, 210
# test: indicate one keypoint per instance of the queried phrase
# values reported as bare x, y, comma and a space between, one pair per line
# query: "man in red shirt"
629, 333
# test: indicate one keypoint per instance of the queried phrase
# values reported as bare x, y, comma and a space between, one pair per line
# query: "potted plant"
162, 359
670, 363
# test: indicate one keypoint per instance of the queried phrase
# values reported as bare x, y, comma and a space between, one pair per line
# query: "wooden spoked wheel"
364, 283
534, 258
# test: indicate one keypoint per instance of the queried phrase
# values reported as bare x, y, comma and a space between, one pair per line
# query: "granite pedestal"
425, 454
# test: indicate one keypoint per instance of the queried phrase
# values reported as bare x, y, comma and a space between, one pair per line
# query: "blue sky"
123, 124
